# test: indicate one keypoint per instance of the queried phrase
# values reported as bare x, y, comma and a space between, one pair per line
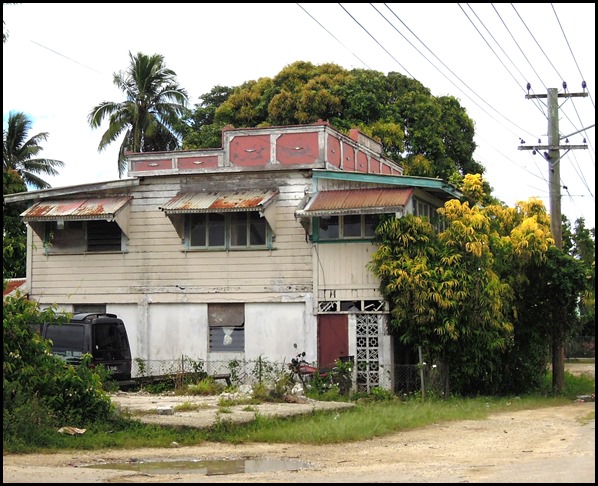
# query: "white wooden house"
255, 251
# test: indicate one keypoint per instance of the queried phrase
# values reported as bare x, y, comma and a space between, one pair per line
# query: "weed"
206, 386
186, 407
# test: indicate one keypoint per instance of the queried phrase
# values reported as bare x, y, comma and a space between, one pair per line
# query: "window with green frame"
228, 231
347, 227
426, 210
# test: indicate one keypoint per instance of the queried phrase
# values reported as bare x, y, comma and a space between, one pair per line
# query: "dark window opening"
227, 327
103, 236
82, 236
89, 308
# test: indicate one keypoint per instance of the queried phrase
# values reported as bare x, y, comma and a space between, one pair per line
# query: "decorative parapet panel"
174, 162
317, 146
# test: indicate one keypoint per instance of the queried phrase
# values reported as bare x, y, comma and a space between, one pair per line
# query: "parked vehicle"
103, 336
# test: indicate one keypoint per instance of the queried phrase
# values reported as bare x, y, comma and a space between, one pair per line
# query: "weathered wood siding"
156, 262
342, 271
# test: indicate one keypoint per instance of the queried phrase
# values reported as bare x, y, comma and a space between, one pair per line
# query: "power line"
333, 36
376, 41
70, 59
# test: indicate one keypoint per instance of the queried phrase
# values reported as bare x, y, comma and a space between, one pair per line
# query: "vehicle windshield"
67, 340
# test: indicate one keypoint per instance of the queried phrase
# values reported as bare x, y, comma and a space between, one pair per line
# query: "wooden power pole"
552, 154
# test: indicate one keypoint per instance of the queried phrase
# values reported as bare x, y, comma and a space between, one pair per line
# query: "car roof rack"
88, 316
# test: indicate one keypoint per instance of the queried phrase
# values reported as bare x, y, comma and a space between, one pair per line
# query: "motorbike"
340, 375
300, 370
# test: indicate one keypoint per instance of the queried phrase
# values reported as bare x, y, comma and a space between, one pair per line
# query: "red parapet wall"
250, 150
297, 148
362, 162
348, 157
143, 165
206, 162
316, 145
333, 151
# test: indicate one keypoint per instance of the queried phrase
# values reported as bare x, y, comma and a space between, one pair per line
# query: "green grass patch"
370, 417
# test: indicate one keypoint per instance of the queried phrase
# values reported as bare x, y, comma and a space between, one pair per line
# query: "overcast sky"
59, 60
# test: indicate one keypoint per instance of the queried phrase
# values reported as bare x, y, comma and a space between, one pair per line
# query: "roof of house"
14, 284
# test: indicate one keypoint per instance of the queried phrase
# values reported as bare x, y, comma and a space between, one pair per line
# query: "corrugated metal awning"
76, 209
115, 208
356, 201
220, 201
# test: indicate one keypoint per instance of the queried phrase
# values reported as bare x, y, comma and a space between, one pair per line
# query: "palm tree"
18, 152
4, 30
154, 105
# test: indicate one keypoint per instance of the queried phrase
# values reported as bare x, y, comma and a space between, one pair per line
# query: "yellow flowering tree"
461, 293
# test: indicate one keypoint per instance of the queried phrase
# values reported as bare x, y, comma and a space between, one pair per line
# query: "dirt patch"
579, 369
549, 445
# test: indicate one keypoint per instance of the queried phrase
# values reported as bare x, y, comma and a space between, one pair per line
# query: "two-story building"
254, 251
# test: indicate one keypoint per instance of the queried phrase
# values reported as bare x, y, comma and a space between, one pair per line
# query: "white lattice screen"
368, 353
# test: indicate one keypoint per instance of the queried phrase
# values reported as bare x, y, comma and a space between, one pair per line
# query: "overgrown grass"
373, 417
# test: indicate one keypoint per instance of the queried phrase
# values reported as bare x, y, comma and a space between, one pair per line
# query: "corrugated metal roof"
220, 201
357, 201
76, 209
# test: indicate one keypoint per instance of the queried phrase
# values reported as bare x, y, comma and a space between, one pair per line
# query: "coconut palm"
148, 117
19, 153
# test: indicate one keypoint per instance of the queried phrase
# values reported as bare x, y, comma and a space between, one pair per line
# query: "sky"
59, 61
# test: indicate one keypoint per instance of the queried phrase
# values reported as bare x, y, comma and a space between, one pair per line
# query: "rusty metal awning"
356, 201
76, 209
220, 201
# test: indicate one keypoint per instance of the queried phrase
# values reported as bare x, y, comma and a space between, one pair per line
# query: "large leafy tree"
200, 129
430, 136
20, 152
485, 296
151, 112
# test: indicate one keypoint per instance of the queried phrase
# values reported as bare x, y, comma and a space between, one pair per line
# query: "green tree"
19, 153
430, 136
14, 231
151, 112
199, 130
580, 243
546, 303
473, 296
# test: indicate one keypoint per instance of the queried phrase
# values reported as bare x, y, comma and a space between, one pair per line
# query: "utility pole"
552, 155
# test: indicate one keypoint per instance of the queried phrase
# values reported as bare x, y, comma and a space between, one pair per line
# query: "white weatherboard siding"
161, 291
157, 264
342, 271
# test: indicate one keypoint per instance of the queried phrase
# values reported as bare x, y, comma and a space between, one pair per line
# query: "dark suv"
102, 335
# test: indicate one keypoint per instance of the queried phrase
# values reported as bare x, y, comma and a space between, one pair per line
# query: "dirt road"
552, 445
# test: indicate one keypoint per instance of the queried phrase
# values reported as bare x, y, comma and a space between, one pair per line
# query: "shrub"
41, 391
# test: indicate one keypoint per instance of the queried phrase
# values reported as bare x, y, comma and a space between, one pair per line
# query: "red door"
333, 338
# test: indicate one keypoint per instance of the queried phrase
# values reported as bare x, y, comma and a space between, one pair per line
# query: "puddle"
209, 468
